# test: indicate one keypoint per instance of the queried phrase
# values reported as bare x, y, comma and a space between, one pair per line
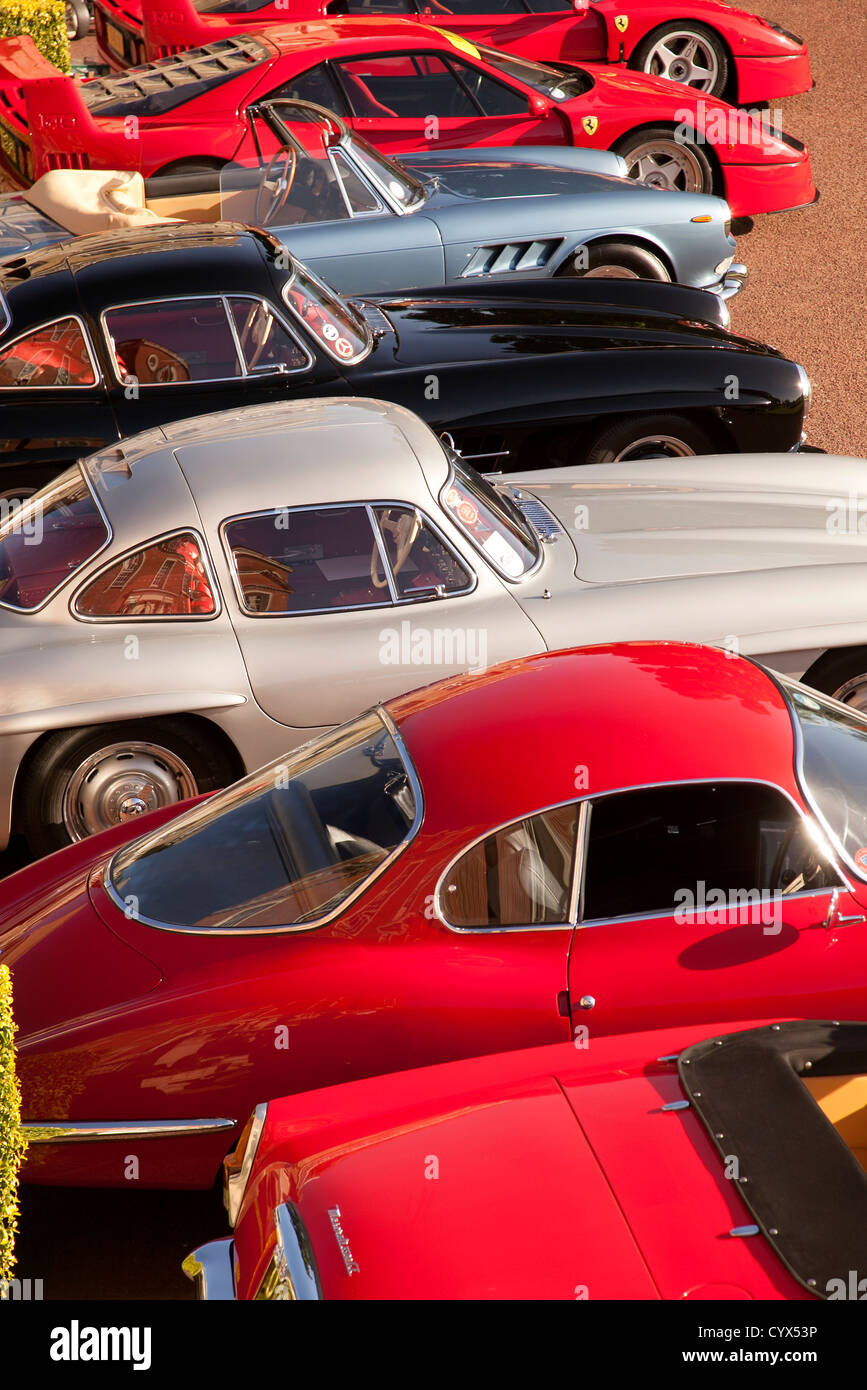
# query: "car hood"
23, 228
672, 519
474, 176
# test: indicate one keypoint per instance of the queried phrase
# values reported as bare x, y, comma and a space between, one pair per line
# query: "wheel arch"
729, 92
719, 182
644, 242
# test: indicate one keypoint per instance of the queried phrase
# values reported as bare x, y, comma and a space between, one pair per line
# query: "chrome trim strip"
246, 374
314, 923
209, 1267
824, 844
294, 1259
235, 1179
105, 1131
379, 540
396, 601
91, 355
132, 618
109, 537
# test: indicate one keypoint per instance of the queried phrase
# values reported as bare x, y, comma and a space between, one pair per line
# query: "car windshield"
549, 79
335, 323
284, 847
47, 539
400, 185
834, 768
490, 520
155, 88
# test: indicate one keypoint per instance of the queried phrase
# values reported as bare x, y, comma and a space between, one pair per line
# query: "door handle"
834, 917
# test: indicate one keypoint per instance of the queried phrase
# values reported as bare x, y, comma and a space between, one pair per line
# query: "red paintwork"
766, 64
48, 115
558, 1176
386, 984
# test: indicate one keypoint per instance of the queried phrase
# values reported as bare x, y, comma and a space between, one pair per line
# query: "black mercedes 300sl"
111, 334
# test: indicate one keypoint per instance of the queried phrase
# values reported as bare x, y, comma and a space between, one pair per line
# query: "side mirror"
580, 6
539, 105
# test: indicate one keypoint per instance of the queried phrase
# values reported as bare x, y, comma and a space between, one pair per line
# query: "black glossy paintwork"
537, 368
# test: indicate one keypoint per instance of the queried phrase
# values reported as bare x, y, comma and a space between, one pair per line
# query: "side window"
306, 560
315, 85
166, 579
549, 6
413, 87
54, 355
495, 98
519, 876
661, 848
267, 345
172, 341
420, 562
358, 194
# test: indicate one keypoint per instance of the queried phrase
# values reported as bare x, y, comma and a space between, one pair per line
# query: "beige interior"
843, 1099
100, 200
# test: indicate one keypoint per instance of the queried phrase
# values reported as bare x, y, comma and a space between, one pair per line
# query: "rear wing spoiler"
651, 296
60, 123
584, 161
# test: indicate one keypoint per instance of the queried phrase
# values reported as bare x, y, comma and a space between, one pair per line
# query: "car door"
180, 356
543, 29
339, 606
427, 100
709, 901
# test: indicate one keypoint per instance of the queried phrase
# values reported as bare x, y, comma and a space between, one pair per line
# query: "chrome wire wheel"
853, 692
684, 56
120, 782
667, 164
654, 446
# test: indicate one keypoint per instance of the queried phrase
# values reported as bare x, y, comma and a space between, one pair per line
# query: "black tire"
615, 440
835, 670
710, 36
618, 255
700, 177
78, 20
40, 813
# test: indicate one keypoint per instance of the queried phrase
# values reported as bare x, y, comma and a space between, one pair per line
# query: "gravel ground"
806, 296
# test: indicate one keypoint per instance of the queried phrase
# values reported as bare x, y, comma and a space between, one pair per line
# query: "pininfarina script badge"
340, 1237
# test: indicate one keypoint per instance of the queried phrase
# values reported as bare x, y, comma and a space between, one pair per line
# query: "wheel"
77, 19
664, 162
689, 53
649, 437
617, 260
842, 675
85, 780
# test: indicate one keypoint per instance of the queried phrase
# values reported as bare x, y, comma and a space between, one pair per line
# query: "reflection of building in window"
166, 579
264, 582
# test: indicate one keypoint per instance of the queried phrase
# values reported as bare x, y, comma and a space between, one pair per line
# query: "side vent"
513, 256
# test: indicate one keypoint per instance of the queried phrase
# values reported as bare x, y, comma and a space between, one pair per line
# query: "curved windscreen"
335, 324
490, 520
834, 768
284, 847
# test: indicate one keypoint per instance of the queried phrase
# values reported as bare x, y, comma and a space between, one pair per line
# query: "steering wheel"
277, 181
404, 529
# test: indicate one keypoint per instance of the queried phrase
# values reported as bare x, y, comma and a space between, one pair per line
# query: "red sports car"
404, 88
691, 1163
623, 837
710, 46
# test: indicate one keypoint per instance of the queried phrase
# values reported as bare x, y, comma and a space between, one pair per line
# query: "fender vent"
511, 256
537, 514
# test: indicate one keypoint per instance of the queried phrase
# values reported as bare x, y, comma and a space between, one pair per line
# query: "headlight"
236, 1167
806, 386
291, 1272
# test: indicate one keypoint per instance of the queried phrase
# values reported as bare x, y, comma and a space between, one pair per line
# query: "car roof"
543, 730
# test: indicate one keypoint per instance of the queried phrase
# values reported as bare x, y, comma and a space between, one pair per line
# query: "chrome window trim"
107, 1131
344, 148
129, 618
480, 551
246, 374
315, 923
13, 607
394, 601
7, 317
321, 342
38, 328
580, 858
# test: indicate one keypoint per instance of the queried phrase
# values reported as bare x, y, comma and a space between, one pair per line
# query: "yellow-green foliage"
12, 1141
44, 21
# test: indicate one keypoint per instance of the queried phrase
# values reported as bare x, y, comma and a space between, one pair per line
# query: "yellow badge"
621, 23
590, 124
456, 41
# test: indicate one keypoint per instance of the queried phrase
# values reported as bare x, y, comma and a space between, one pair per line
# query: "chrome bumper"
733, 281
210, 1268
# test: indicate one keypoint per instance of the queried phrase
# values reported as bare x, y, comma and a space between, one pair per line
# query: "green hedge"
44, 21
12, 1141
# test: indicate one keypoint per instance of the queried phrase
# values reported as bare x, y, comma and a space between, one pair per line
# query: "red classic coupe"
624, 837
683, 1164
405, 88
710, 46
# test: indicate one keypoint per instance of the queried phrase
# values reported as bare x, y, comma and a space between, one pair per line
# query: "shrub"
12, 1141
44, 21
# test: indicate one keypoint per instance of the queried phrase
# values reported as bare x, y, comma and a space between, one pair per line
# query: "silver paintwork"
709, 549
